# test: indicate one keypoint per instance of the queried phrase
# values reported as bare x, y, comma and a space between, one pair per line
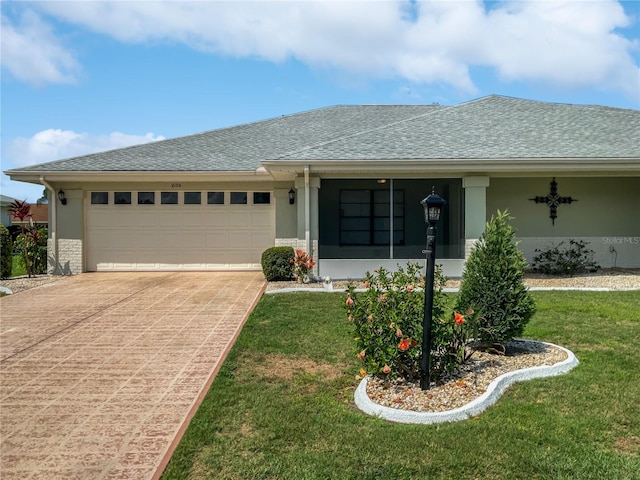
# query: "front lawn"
282, 405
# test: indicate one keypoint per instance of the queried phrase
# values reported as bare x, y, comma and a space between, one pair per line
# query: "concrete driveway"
100, 373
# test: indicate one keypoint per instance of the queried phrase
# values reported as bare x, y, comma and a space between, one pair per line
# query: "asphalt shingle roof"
243, 147
492, 127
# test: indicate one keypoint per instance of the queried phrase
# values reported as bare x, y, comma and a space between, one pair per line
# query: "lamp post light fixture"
292, 196
432, 205
61, 197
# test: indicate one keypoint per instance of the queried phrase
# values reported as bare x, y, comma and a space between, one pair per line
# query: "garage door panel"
217, 240
239, 219
194, 240
215, 219
261, 219
173, 237
240, 239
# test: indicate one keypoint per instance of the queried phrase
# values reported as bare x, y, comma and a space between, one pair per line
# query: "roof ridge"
437, 108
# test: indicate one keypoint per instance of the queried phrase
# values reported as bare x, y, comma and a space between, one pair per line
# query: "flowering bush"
388, 319
302, 265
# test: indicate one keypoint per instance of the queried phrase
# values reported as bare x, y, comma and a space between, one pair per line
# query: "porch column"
475, 210
302, 208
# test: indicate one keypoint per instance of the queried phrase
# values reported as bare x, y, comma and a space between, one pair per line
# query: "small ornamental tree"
388, 318
302, 264
28, 239
492, 284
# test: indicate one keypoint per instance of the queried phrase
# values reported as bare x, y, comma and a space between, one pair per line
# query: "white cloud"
563, 42
32, 53
55, 144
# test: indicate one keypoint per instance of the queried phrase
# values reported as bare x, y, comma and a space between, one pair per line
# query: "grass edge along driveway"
282, 405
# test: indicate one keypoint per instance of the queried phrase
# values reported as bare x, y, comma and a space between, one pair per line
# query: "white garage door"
178, 230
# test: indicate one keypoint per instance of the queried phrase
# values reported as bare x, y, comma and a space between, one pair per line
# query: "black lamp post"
432, 207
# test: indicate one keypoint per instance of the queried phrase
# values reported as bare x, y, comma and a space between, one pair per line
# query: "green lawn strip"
18, 268
282, 405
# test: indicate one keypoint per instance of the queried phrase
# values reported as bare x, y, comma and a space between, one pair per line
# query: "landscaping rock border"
475, 407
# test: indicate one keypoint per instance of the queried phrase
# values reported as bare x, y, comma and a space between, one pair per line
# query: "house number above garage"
176, 185
553, 200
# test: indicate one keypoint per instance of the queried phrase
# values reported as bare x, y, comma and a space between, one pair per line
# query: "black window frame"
189, 202
126, 196
259, 197
365, 226
150, 200
172, 195
242, 196
214, 196
94, 197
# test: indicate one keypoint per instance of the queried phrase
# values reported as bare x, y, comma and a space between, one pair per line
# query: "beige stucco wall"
606, 214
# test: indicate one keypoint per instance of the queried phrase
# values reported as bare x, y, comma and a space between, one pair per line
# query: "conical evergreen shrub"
492, 284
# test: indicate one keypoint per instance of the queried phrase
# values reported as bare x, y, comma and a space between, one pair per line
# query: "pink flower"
404, 344
470, 311
367, 284
386, 370
398, 333
350, 318
459, 318
361, 355
409, 288
370, 318
349, 302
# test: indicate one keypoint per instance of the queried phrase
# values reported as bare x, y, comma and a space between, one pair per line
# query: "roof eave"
598, 166
34, 176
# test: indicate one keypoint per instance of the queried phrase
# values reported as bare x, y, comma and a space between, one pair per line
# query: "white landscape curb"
491, 396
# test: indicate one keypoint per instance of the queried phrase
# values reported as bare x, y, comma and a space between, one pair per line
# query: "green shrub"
492, 284
388, 319
576, 258
32, 245
6, 252
277, 263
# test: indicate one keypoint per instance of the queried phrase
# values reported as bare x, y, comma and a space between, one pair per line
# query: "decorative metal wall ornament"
553, 200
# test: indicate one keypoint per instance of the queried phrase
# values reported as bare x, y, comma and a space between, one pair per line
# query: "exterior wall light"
292, 196
432, 205
61, 197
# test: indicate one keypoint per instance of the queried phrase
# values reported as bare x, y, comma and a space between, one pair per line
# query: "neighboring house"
39, 216
5, 216
218, 199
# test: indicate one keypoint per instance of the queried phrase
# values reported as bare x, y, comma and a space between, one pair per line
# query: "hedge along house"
345, 183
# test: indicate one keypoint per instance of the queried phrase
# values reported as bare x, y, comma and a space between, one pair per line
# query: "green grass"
282, 405
18, 268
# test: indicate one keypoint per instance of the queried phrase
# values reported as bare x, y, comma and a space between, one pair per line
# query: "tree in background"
31, 242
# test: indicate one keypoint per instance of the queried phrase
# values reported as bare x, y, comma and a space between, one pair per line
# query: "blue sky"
86, 76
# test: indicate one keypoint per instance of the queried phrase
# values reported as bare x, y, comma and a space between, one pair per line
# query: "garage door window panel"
169, 198
192, 198
215, 198
238, 198
261, 198
122, 198
99, 198
146, 198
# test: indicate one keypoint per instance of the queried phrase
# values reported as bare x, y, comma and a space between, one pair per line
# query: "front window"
366, 217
